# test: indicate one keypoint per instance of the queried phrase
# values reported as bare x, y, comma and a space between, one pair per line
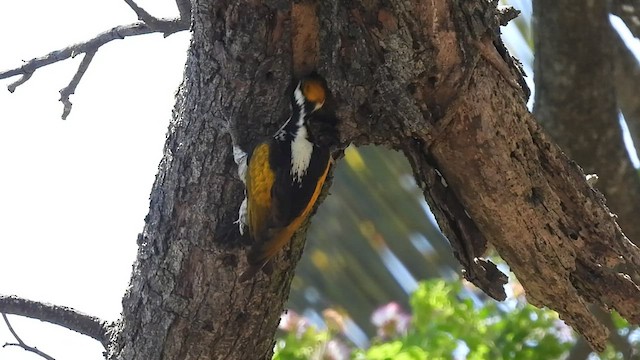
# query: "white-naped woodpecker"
284, 173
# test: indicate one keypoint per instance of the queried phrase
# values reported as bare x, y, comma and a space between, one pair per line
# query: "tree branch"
71, 88
69, 318
21, 343
23, 79
143, 15
629, 12
118, 32
89, 48
156, 23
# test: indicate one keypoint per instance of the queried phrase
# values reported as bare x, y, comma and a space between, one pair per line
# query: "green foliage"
446, 322
300, 345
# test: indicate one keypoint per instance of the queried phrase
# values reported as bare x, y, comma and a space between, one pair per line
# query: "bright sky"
74, 193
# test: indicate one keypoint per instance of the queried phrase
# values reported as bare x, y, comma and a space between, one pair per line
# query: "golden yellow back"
259, 183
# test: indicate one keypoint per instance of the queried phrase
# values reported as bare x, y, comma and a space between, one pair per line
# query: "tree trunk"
428, 78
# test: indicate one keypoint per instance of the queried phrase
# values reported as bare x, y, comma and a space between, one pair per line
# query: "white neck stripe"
301, 147
299, 96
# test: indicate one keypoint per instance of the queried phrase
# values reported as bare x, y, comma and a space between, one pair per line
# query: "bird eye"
314, 92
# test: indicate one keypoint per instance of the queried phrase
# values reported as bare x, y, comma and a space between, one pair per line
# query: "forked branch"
21, 343
148, 25
159, 25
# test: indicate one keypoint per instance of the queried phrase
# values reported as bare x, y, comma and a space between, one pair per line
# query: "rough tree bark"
428, 78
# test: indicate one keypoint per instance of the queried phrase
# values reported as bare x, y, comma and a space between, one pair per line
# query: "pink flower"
563, 331
291, 321
336, 350
390, 320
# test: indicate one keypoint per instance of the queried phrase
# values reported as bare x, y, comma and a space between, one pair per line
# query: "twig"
156, 23
167, 27
118, 32
23, 79
629, 12
71, 88
143, 15
69, 318
21, 343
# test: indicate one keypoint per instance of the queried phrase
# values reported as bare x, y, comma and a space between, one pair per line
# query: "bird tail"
262, 253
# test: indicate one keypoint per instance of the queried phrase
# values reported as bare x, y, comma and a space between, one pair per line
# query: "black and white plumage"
285, 173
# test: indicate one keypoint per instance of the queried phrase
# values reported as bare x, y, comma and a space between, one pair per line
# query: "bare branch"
89, 48
23, 79
69, 318
21, 343
629, 12
118, 32
144, 16
71, 88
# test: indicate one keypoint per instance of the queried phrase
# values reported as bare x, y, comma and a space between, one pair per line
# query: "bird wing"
291, 198
275, 218
260, 179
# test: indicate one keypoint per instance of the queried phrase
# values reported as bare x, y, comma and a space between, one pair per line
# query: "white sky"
74, 193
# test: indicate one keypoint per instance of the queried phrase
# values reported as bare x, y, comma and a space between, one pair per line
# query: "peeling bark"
427, 78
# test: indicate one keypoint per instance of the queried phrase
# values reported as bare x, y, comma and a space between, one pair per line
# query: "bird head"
311, 93
312, 99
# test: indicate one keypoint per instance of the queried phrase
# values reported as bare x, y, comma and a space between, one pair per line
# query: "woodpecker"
285, 173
